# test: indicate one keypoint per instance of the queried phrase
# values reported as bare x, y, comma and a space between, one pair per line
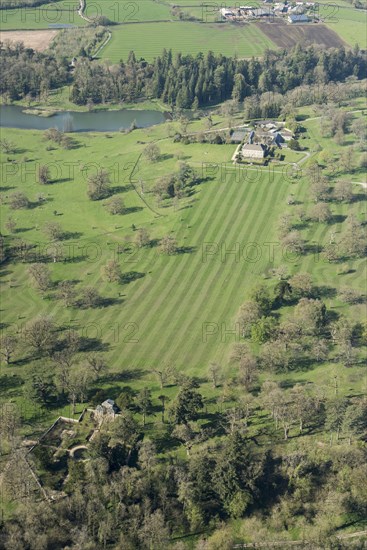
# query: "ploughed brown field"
37, 40
286, 35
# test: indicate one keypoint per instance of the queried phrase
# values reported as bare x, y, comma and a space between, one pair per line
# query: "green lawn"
350, 24
41, 17
149, 39
64, 12
126, 11
179, 308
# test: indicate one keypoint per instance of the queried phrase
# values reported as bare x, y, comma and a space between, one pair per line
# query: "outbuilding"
301, 18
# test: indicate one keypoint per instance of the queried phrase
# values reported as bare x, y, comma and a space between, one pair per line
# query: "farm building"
286, 134
238, 136
269, 123
301, 18
253, 151
227, 13
278, 139
261, 13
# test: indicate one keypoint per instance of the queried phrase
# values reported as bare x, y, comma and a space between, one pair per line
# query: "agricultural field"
286, 36
37, 40
165, 30
148, 40
45, 16
350, 24
125, 11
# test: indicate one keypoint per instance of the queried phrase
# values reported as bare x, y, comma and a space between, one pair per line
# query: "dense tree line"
25, 72
185, 81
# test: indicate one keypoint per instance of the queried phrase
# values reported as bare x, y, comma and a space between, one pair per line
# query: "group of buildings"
255, 142
296, 12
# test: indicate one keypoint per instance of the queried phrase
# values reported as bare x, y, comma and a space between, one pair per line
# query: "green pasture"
127, 11
41, 17
350, 24
64, 12
148, 40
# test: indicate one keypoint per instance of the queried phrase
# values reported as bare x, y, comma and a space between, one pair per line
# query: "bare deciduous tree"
8, 345
40, 333
41, 276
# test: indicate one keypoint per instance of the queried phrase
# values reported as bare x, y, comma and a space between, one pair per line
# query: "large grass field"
63, 12
149, 39
127, 11
350, 24
175, 309
41, 17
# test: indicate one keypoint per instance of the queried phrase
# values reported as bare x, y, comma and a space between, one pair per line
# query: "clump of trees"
18, 200
28, 72
115, 205
305, 335
152, 152
178, 184
168, 245
58, 137
99, 185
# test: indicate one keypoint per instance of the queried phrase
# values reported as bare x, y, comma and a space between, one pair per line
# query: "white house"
250, 150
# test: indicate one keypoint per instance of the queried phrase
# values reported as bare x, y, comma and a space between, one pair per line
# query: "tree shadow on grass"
164, 443
92, 344
131, 276
74, 259
152, 243
73, 144
300, 225
8, 382
186, 249
60, 180
359, 197
100, 303
23, 229
120, 189
37, 204
125, 375
325, 291
132, 209
288, 383
312, 248
332, 316
100, 394
67, 235
213, 422
337, 218
186, 207
107, 302
165, 156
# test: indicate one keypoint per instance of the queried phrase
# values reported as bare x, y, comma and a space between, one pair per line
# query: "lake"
12, 116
